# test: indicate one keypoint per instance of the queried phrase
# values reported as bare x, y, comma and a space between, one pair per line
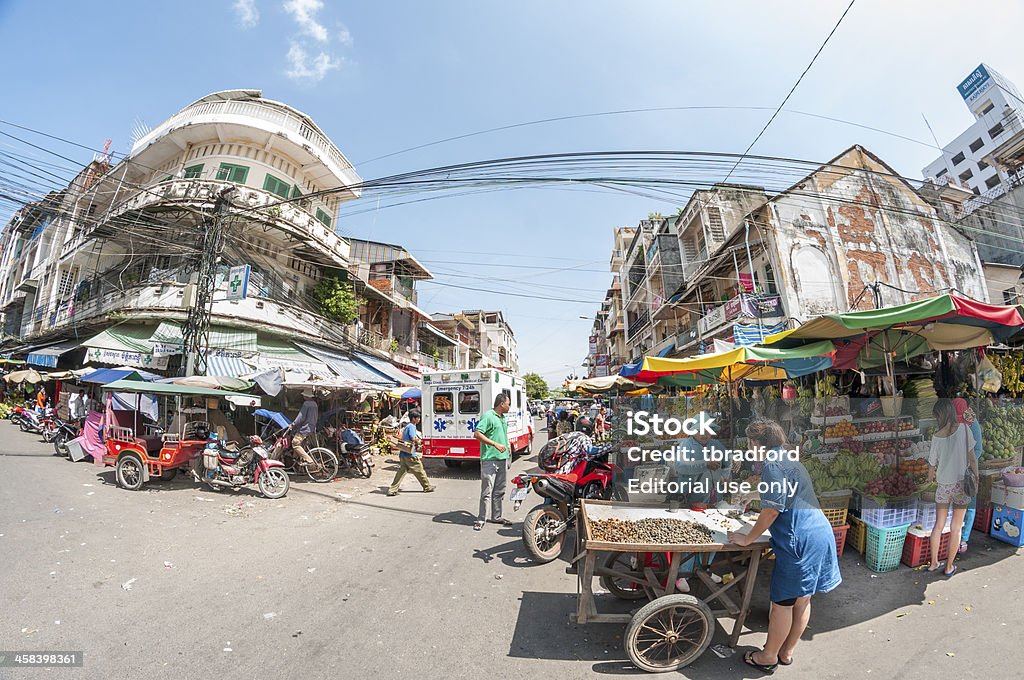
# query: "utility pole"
196, 333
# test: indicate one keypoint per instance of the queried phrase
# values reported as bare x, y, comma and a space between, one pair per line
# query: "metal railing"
266, 112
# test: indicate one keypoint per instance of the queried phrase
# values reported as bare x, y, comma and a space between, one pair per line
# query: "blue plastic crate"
884, 547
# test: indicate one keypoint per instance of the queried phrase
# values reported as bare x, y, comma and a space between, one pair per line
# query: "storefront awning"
126, 344
387, 368
167, 339
48, 354
276, 353
223, 366
347, 367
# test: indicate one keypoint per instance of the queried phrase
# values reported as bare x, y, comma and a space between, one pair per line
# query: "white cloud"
304, 12
247, 13
311, 70
343, 36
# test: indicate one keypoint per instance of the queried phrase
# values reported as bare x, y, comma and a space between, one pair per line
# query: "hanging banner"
122, 358
762, 306
238, 282
747, 282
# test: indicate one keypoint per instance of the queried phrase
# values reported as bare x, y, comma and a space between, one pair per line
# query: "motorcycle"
63, 433
353, 452
48, 424
30, 421
228, 466
581, 474
324, 467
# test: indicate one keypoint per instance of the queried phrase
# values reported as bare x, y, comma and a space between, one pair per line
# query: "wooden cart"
672, 629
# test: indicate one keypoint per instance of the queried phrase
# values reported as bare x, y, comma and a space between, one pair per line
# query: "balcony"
743, 305
274, 119
430, 363
371, 338
310, 234
638, 325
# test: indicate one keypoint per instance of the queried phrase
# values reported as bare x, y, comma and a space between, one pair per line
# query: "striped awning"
277, 353
347, 367
167, 339
220, 365
124, 345
48, 355
387, 368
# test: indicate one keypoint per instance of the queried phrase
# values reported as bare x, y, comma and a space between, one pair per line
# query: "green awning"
123, 338
126, 385
167, 339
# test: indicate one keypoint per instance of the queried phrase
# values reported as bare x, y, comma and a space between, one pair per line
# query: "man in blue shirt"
304, 425
411, 461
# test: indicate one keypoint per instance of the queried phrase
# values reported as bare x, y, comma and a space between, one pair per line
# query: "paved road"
337, 580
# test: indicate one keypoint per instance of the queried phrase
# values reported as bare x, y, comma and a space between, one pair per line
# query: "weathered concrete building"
819, 247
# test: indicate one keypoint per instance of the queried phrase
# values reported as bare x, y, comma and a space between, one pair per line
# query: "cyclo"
157, 454
324, 467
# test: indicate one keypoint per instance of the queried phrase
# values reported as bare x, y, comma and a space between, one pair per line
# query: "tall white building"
995, 103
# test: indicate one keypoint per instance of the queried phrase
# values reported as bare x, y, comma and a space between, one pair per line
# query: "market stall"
638, 551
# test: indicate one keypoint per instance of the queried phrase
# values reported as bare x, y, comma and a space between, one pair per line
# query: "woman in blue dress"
801, 538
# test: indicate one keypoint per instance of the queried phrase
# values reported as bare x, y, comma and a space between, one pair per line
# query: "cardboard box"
1011, 496
1008, 525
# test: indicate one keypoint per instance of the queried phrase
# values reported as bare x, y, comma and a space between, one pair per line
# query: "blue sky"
384, 76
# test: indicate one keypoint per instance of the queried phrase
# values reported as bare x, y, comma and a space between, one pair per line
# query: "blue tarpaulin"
278, 419
102, 376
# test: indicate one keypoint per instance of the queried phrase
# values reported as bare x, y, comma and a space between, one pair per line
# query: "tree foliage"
536, 388
337, 299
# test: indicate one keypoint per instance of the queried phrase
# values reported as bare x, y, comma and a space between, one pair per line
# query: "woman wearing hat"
965, 415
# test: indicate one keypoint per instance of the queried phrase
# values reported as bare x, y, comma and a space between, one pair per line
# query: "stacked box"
983, 518
889, 512
926, 517
857, 535
885, 547
840, 534
1011, 496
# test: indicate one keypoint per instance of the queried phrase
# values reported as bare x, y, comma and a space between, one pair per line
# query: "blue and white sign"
975, 84
238, 282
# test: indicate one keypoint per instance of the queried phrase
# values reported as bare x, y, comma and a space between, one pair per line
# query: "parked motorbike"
324, 467
228, 466
582, 474
48, 424
64, 431
30, 421
353, 453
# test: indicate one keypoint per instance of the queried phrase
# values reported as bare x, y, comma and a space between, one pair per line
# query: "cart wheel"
128, 472
669, 633
325, 466
625, 588
168, 475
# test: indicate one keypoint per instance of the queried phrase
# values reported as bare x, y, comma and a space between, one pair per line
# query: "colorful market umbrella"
742, 363
945, 322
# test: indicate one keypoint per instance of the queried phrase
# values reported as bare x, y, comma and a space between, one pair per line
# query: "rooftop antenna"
139, 130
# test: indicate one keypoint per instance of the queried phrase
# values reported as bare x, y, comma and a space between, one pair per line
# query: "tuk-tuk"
137, 459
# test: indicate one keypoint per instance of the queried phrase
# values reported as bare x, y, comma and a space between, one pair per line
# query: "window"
194, 171
297, 197
976, 191
323, 217
992, 181
519, 400
940, 173
995, 130
966, 175
977, 144
507, 393
958, 159
988, 107
67, 282
276, 186
469, 402
1009, 296
443, 402
982, 165
232, 173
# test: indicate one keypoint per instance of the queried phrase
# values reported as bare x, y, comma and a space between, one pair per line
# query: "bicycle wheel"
325, 464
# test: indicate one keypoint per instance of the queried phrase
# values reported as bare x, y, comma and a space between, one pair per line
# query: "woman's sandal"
947, 574
748, 659
932, 570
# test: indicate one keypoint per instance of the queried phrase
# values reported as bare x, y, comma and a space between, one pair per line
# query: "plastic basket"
983, 518
1013, 479
926, 517
840, 533
857, 535
884, 547
835, 506
917, 549
889, 512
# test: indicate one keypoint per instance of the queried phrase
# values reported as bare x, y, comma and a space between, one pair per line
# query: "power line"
795, 85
